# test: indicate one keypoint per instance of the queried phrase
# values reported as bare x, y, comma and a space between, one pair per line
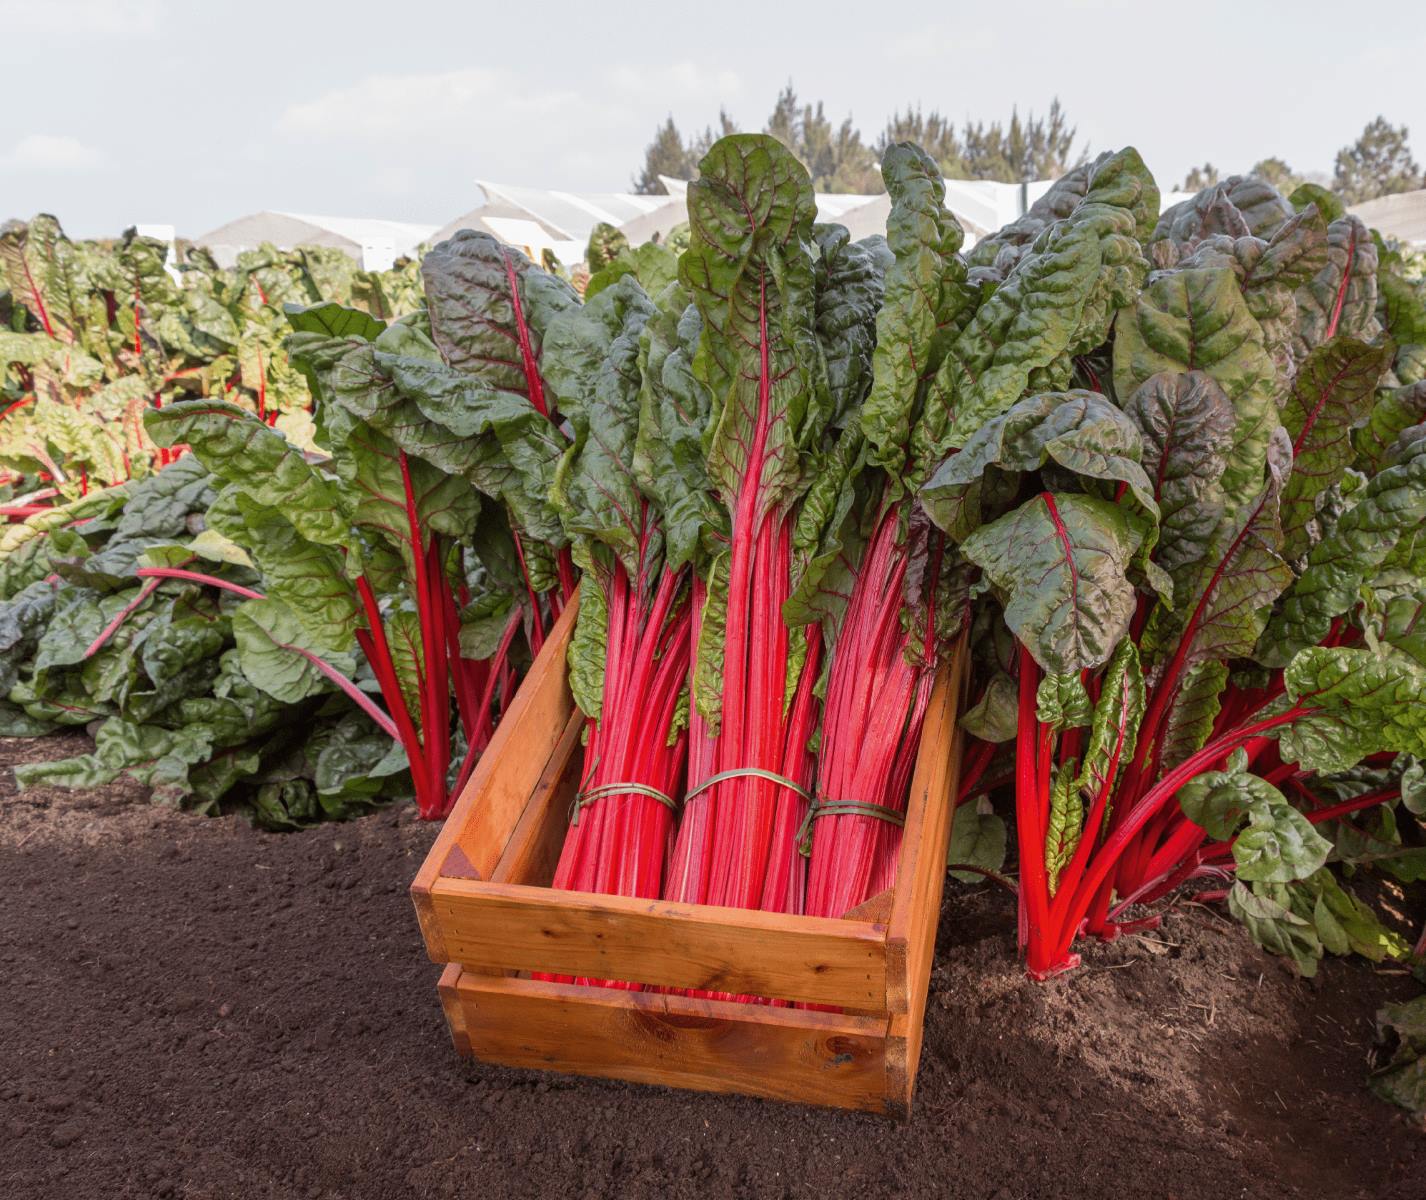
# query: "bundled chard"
751, 274
630, 653
1209, 561
887, 633
961, 367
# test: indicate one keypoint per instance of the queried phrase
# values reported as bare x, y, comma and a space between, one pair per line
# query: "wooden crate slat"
649, 1037
921, 876
818, 960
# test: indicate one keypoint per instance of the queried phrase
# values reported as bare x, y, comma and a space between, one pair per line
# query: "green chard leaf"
674, 413
1197, 320
241, 450
1114, 727
1395, 411
1059, 300
1062, 702
1062, 563
1356, 702
1081, 431
977, 840
1386, 515
1341, 297
1185, 421
925, 291
993, 718
1329, 398
277, 652
1400, 1077
1065, 824
1234, 586
489, 309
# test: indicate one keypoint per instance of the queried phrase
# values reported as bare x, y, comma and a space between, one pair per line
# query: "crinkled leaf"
1401, 1080
1387, 513
270, 641
1062, 702
1059, 300
238, 448
1341, 298
924, 292
1192, 712
1395, 411
1230, 594
1079, 430
1065, 824
1197, 319
1358, 702
1275, 927
1114, 728
489, 310
674, 412
1329, 398
1062, 563
1186, 423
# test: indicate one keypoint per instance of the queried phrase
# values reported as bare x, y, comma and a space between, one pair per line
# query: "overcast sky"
192, 112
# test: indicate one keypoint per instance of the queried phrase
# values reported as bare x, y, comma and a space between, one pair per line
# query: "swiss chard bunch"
629, 657
1208, 556
428, 537
774, 347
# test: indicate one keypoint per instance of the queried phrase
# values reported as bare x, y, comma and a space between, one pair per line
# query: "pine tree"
1051, 145
1026, 149
933, 133
1199, 178
1276, 172
836, 158
665, 155
1378, 163
701, 144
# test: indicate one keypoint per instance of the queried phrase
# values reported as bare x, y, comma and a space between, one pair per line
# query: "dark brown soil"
192, 1009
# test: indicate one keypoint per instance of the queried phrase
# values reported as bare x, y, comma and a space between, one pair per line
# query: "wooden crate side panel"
916, 907
495, 796
647, 1037
534, 847
812, 959
490, 804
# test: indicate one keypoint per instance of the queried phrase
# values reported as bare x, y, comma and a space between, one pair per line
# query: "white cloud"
79, 17
382, 107
496, 113
52, 152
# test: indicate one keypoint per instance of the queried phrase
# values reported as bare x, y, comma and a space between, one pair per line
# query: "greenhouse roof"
373, 242
1402, 216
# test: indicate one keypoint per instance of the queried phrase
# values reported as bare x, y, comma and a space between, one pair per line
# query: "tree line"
840, 159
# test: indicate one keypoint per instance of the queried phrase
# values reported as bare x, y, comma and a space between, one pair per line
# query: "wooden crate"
486, 910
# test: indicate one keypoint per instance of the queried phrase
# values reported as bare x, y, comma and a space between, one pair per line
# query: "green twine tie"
843, 808
755, 773
618, 789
